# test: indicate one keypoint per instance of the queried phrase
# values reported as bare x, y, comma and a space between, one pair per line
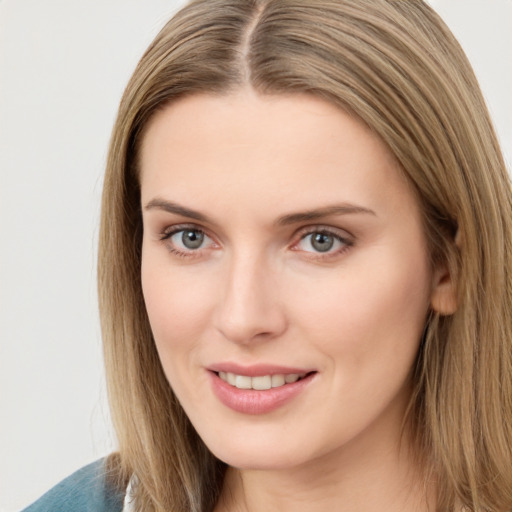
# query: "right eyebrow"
319, 213
170, 207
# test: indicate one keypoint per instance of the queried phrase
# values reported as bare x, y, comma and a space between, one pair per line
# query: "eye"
186, 241
322, 242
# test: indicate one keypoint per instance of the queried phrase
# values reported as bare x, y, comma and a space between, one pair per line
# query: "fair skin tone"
281, 238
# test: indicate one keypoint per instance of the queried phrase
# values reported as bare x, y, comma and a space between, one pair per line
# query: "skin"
258, 291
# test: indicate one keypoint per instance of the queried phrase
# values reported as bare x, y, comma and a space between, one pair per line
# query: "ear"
444, 298
444, 295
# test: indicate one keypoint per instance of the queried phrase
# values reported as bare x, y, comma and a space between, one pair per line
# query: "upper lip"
256, 370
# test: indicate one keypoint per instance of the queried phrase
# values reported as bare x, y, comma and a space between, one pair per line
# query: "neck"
383, 477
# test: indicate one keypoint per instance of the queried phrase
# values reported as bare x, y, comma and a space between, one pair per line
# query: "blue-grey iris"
322, 242
192, 239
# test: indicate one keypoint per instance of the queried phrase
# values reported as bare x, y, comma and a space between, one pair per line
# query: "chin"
265, 453
257, 460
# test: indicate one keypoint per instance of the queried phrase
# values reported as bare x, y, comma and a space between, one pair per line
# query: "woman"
304, 269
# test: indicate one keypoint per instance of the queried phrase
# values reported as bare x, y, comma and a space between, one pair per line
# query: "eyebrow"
318, 213
285, 220
170, 207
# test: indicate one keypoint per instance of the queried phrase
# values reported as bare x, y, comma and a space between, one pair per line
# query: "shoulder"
86, 490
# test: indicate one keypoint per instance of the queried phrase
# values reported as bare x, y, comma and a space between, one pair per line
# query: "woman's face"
281, 242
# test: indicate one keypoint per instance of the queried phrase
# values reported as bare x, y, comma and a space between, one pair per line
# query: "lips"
258, 389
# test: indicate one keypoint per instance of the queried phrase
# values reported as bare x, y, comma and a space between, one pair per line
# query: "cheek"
177, 304
372, 313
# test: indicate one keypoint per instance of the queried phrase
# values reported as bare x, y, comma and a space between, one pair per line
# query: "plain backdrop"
63, 67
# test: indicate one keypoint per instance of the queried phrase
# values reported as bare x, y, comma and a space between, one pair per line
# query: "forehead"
282, 149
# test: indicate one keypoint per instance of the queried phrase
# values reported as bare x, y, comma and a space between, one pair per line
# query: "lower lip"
250, 401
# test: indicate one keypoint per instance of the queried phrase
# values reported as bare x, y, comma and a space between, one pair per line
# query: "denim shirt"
84, 491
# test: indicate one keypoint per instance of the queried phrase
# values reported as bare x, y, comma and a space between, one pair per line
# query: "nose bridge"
249, 307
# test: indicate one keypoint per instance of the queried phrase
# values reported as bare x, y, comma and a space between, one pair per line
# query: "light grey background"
63, 66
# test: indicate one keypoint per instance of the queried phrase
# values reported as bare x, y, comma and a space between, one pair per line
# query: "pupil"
192, 239
322, 242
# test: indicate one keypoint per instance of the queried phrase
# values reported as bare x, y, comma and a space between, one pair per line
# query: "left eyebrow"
309, 215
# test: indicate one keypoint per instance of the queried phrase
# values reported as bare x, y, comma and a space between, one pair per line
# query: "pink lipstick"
257, 389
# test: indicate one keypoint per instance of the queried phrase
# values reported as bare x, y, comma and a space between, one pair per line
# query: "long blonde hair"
395, 65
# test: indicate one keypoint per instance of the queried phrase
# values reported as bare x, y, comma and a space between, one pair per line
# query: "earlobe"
444, 293
444, 297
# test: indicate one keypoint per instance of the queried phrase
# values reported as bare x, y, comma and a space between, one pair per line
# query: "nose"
250, 308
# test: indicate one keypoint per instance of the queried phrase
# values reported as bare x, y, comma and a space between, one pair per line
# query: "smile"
261, 392
259, 383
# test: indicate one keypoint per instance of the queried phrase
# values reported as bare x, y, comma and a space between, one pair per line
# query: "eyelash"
346, 242
168, 233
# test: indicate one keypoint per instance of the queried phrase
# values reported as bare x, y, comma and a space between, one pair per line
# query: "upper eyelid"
176, 228
319, 228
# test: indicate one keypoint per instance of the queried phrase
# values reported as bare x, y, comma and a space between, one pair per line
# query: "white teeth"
259, 383
262, 383
278, 380
243, 382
